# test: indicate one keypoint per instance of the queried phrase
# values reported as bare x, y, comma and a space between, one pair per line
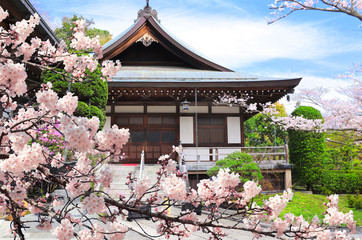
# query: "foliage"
307, 112
260, 130
241, 163
65, 31
343, 157
89, 111
310, 205
334, 181
92, 93
355, 201
306, 150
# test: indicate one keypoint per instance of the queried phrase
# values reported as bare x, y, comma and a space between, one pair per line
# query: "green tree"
238, 162
306, 150
65, 31
260, 130
92, 92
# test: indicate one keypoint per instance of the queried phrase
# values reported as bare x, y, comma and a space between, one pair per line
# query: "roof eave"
42, 23
264, 84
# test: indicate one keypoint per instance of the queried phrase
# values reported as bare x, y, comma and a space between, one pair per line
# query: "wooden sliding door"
153, 134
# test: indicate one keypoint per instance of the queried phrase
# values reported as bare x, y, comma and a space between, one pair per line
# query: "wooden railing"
207, 155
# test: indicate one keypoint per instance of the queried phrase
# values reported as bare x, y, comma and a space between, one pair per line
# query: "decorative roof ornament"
147, 12
147, 40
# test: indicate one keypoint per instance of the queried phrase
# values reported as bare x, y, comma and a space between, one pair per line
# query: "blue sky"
235, 34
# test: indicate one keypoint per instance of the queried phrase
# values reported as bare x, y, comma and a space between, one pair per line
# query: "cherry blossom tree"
88, 211
283, 8
340, 114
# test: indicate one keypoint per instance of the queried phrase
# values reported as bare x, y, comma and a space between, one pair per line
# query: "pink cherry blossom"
141, 186
93, 204
64, 231
174, 187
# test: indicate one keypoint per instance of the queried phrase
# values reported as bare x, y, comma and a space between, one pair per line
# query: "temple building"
165, 95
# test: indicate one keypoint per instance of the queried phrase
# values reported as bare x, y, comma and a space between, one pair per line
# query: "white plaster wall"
187, 130
161, 109
107, 124
234, 134
128, 109
108, 109
224, 109
200, 109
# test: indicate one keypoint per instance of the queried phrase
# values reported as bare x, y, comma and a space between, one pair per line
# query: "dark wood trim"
177, 103
242, 131
209, 108
113, 119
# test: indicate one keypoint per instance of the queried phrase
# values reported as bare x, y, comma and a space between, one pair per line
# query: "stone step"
121, 172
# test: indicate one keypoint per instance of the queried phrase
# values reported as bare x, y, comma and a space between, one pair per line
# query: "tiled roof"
165, 74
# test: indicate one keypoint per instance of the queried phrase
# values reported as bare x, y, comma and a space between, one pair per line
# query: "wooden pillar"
288, 178
113, 115
242, 131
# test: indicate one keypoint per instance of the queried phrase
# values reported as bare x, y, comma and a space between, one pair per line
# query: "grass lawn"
310, 205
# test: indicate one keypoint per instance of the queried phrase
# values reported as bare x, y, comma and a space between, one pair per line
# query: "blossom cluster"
93, 204
174, 187
64, 231
282, 8
219, 188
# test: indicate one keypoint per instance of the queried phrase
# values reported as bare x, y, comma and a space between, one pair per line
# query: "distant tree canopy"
65, 32
260, 130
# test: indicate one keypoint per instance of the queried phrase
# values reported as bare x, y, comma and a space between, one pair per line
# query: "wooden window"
211, 131
153, 136
168, 137
163, 120
154, 120
137, 136
136, 120
122, 121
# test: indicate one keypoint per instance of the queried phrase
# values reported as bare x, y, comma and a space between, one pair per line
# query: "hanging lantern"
185, 105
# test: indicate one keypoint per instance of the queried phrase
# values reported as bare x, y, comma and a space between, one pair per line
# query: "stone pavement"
35, 234
148, 231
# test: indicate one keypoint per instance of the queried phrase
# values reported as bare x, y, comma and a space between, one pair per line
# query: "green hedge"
340, 182
306, 150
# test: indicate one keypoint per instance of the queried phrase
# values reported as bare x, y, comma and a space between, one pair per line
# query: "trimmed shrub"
306, 150
355, 201
340, 182
84, 110
238, 162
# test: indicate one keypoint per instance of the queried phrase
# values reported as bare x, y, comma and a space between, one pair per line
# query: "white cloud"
239, 41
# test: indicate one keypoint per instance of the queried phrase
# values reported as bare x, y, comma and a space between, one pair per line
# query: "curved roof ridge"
119, 36
149, 15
